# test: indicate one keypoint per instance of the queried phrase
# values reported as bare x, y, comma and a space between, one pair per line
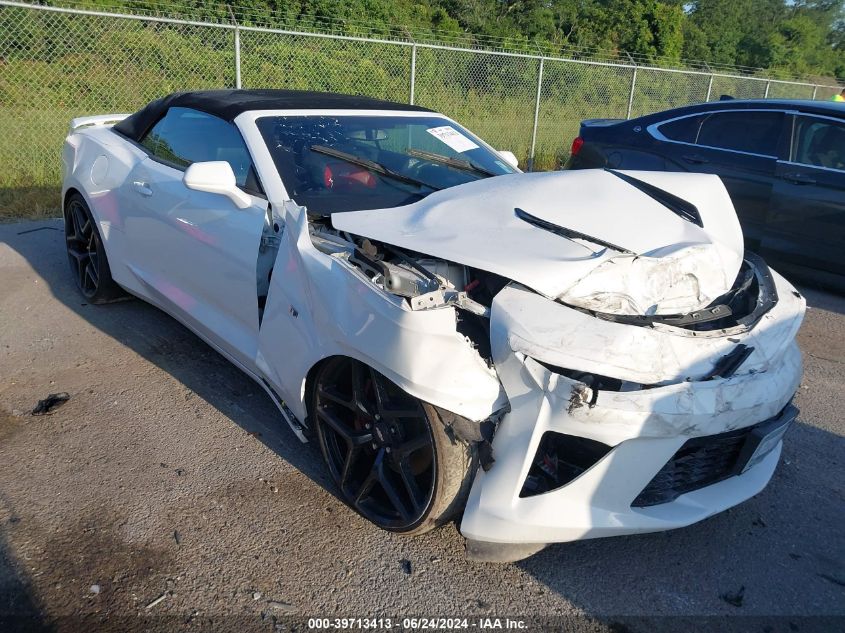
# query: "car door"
807, 223
196, 251
741, 147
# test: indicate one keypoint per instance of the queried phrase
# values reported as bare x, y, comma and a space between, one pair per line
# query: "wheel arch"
467, 429
309, 386
71, 191
403, 376
310, 381
108, 246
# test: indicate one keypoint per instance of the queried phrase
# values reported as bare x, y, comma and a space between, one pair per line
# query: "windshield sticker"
452, 138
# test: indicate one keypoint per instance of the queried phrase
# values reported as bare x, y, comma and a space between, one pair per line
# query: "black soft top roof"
228, 104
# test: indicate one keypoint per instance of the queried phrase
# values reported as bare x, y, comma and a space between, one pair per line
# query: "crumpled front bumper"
644, 427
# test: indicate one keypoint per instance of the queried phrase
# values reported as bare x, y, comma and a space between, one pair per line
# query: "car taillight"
577, 144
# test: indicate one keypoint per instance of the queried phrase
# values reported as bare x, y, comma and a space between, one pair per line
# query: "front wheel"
86, 254
388, 452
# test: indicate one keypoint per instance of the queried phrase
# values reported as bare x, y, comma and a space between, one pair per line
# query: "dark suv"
783, 163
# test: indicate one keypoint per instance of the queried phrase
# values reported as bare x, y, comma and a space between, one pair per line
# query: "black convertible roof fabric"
227, 104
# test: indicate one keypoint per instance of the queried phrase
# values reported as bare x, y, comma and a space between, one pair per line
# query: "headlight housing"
681, 280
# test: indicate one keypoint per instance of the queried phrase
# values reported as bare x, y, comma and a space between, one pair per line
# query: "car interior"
822, 145
328, 184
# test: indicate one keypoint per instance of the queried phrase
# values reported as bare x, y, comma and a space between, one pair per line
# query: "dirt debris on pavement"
158, 600
734, 598
280, 606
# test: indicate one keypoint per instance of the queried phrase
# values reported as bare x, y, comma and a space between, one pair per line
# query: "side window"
819, 142
186, 136
750, 131
684, 130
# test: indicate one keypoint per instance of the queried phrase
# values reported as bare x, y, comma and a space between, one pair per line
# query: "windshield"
332, 164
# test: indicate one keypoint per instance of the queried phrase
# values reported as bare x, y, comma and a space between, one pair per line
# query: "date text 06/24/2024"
416, 624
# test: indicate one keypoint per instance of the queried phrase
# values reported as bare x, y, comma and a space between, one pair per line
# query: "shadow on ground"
19, 610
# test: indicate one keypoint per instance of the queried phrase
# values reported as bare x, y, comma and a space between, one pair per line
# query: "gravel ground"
168, 494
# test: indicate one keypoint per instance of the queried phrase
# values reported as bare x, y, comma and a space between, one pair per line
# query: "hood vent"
676, 205
565, 232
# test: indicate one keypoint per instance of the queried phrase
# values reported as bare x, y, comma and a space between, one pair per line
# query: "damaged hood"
619, 250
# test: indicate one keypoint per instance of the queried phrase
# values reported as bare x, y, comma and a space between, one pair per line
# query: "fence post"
631, 96
815, 90
237, 58
237, 48
413, 70
766, 94
709, 89
536, 116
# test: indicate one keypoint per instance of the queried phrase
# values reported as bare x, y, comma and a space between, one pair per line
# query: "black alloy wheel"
87, 258
386, 450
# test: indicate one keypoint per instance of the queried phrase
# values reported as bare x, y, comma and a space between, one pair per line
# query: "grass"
30, 173
29, 203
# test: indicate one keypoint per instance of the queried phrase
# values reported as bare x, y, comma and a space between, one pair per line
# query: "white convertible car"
547, 357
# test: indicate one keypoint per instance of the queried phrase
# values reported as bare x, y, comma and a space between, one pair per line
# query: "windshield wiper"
457, 163
371, 165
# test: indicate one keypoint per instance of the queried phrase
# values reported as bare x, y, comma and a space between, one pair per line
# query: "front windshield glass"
332, 164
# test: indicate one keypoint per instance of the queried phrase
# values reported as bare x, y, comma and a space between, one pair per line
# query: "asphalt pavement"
167, 493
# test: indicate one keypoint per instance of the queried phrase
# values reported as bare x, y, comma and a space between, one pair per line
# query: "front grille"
703, 461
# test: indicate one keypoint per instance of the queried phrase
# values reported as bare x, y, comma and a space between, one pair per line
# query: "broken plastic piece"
726, 366
50, 403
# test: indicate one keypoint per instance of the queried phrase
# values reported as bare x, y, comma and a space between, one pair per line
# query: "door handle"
695, 159
142, 188
799, 179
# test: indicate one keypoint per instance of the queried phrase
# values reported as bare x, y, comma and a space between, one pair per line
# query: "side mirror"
509, 157
216, 176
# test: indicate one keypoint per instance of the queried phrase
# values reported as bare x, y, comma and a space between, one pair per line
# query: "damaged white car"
549, 356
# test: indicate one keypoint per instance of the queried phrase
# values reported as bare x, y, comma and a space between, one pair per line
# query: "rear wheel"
388, 452
86, 254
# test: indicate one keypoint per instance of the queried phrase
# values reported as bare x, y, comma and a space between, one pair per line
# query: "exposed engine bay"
424, 282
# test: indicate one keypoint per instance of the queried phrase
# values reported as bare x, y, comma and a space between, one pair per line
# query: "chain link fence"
57, 63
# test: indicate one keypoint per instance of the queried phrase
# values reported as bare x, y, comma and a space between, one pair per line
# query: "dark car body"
783, 163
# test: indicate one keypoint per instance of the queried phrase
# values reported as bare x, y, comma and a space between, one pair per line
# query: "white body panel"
197, 256
196, 252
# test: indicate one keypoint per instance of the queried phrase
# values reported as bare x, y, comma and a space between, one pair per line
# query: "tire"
390, 454
86, 255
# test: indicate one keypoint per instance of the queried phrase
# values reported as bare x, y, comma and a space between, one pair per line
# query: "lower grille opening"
700, 462
704, 461
560, 459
